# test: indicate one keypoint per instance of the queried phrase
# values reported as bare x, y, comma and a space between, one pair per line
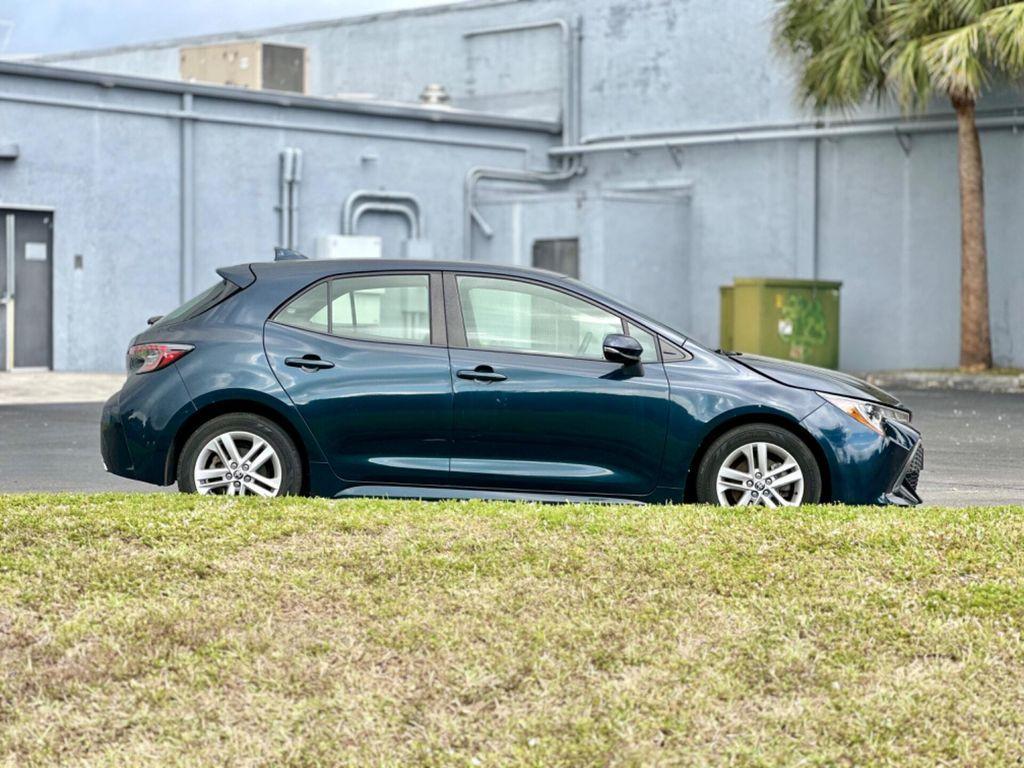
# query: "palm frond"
955, 61
908, 76
909, 19
1004, 28
848, 50
838, 46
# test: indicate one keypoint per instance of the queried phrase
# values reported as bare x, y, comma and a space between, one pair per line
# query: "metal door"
26, 289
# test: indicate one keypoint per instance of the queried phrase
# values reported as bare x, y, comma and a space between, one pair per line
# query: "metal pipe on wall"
566, 61
187, 200
475, 175
707, 138
410, 202
570, 165
8, 298
293, 200
288, 207
283, 207
376, 206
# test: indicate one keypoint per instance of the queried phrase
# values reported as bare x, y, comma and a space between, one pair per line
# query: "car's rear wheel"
759, 464
240, 454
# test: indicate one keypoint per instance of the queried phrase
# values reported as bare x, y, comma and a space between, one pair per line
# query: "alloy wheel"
760, 473
238, 463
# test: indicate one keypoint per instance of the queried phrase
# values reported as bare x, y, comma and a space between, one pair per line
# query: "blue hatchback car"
448, 379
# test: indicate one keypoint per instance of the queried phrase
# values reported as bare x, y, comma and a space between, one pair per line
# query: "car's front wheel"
240, 454
758, 464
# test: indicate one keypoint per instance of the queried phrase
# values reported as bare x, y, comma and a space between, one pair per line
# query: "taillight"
144, 358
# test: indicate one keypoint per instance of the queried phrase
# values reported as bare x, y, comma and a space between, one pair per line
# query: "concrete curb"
49, 388
967, 382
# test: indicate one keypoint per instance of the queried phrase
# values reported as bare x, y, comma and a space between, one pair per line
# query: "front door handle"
481, 373
308, 363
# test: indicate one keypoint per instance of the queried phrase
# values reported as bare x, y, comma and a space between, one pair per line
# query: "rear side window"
199, 304
373, 308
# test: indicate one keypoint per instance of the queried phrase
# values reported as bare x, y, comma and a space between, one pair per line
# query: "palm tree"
850, 51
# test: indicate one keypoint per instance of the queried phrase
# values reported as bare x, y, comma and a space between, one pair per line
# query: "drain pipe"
570, 166
187, 225
475, 175
284, 203
288, 206
567, 60
781, 133
293, 200
410, 206
376, 206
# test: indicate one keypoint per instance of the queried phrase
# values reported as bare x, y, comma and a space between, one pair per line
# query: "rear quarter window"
198, 304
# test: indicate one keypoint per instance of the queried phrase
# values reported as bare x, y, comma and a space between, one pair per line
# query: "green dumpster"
786, 318
725, 326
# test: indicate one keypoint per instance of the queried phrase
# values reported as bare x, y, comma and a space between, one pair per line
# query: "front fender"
710, 392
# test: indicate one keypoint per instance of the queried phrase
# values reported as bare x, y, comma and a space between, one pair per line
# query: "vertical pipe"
283, 205
566, 60
187, 234
815, 210
9, 296
293, 202
577, 80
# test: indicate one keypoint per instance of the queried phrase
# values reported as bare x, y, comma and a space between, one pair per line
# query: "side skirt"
426, 493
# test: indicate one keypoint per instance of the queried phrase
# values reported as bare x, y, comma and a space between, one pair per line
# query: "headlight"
871, 415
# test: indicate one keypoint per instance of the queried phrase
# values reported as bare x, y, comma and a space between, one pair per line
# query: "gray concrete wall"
888, 228
114, 181
878, 215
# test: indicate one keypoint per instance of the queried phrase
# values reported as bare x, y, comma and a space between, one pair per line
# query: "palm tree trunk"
975, 336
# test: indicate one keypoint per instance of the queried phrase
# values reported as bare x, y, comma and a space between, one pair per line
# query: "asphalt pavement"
974, 448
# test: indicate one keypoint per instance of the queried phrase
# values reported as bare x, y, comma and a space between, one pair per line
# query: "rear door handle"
481, 373
308, 362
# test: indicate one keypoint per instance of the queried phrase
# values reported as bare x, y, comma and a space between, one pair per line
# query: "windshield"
198, 304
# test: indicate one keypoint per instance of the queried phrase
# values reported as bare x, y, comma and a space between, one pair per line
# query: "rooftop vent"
435, 95
246, 64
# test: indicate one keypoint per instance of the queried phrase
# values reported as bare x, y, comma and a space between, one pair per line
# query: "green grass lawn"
168, 630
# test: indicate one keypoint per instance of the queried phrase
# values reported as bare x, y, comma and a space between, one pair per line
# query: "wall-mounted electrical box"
246, 64
349, 247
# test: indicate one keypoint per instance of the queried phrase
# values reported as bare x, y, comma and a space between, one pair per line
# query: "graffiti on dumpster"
802, 323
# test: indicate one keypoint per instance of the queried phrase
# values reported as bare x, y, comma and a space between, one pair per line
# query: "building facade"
655, 148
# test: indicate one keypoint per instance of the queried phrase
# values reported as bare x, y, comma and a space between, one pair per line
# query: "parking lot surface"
974, 448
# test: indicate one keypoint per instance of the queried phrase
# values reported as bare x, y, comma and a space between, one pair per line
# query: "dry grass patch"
176, 630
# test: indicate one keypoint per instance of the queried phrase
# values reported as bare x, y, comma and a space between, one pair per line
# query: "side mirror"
154, 319
622, 349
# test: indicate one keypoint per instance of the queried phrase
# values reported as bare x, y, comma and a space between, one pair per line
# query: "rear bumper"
138, 425
865, 467
113, 447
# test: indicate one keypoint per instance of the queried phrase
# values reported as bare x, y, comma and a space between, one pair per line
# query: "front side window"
524, 317
373, 308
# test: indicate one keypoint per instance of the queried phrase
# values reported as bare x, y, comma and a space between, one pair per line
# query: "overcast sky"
46, 26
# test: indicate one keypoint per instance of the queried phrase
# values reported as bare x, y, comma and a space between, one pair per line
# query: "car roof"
314, 269
324, 267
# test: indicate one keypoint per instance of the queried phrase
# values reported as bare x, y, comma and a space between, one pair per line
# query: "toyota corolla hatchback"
448, 379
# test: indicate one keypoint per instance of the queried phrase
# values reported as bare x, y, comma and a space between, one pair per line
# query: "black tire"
288, 455
727, 443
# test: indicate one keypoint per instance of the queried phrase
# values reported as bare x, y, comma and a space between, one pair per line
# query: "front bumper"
904, 489
865, 467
